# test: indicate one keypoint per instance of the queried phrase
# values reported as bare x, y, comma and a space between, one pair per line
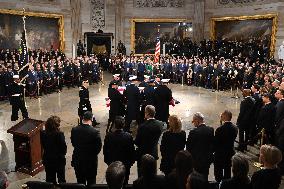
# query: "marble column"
198, 20
119, 21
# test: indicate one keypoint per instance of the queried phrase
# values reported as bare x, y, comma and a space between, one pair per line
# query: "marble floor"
64, 105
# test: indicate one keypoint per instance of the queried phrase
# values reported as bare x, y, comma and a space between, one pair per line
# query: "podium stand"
27, 147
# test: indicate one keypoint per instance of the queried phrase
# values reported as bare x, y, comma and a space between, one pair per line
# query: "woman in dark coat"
269, 176
172, 142
54, 150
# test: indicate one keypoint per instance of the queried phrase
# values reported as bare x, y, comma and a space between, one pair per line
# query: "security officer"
17, 99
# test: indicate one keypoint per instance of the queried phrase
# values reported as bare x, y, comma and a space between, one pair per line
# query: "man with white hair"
281, 52
200, 144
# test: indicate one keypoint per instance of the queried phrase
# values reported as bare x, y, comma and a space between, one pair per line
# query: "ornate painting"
43, 31
245, 28
144, 33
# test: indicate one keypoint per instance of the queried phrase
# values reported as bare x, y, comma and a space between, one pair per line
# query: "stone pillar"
198, 20
76, 21
119, 21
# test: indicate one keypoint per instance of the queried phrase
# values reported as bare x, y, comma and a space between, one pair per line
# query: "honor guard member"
116, 104
162, 99
84, 104
145, 82
17, 99
148, 96
116, 79
132, 95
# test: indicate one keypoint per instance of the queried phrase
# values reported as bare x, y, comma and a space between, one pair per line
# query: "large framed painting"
144, 33
245, 28
43, 31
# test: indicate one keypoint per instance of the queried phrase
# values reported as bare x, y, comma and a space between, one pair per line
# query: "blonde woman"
269, 176
173, 141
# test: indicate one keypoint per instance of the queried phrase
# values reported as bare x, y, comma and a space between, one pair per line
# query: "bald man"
245, 119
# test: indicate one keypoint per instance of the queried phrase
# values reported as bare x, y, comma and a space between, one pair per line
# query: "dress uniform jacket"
116, 103
132, 95
84, 104
162, 99
266, 117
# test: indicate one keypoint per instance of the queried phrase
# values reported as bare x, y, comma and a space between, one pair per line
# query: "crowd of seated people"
216, 65
185, 161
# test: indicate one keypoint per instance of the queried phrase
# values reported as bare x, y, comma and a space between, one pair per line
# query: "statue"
281, 52
121, 48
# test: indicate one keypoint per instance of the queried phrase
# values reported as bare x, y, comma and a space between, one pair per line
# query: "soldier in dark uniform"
132, 95
3, 93
47, 83
40, 79
84, 104
69, 75
17, 100
116, 104
145, 82
148, 96
60, 75
162, 99
32, 82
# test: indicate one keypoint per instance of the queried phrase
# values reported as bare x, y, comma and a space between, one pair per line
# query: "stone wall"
213, 8
46, 6
119, 13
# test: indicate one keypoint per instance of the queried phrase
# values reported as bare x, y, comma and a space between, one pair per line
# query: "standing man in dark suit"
132, 95
147, 137
245, 119
266, 119
200, 144
87, 145
257, 106
163, 97
119, 146
224, 139
17, 99
279, 108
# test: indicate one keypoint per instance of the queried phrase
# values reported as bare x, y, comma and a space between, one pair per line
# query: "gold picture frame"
160, 20
274, 18
43, 15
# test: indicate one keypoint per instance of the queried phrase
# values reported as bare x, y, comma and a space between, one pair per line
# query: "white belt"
16, 95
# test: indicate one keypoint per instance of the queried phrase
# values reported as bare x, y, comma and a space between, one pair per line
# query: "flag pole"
25, 32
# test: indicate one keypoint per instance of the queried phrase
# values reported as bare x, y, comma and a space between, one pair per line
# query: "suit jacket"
279, 112
224, 139
234, 183
87, 145
119, 146
200, 145
155, 182
246, 115
266, 117
147, 138
171, 144
163, 97
258, 104
266, 178
54, 148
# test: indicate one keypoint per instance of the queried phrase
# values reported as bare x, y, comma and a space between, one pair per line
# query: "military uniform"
84, 104
17, 101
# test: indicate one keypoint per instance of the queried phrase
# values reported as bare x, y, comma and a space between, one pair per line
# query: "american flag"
24, 57
158, 48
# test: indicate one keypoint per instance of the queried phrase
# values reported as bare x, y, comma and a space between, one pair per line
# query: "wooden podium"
27, 147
